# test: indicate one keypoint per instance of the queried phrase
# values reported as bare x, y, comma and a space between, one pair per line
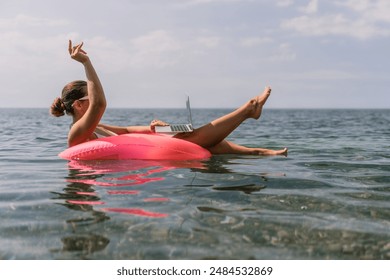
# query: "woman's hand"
77, 53
155, 123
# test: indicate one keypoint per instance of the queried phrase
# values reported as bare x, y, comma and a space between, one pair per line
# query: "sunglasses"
84, 98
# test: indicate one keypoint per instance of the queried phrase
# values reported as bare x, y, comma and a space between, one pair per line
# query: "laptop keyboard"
179, 127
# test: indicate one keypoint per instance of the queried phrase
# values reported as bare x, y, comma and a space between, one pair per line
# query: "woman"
86, 103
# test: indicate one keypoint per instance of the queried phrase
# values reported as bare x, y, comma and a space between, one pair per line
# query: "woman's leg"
216, 131
226, 147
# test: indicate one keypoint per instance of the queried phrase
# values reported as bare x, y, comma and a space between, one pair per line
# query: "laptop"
178, 128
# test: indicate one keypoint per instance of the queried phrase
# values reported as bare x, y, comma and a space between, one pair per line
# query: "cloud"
191, 3
284, 3
24, 52
158, 49
24, 45
370, 10
209, 42
216, 1
283, 53
360, 19
23, 21
255, 41
311, 8
324, 75
335, 24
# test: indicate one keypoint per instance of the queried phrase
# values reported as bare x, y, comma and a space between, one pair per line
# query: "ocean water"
329, 199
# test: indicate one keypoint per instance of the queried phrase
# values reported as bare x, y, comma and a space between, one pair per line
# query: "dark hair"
70, 93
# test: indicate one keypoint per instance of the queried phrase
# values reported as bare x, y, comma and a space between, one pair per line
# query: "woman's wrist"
86, 61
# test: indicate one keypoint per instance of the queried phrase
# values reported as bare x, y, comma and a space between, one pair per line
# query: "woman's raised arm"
87, 115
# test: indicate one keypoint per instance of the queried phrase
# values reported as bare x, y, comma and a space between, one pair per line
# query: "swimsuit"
98, 133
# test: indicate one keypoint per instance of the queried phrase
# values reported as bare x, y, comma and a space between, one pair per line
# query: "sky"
151, 53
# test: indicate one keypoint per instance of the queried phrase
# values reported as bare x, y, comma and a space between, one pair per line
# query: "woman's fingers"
74, 50
78, 47
70, 47
77, 53
158, 123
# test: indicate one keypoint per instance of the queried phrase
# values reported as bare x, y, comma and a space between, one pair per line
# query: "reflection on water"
82, 245
209, 210
80, 194
121, 174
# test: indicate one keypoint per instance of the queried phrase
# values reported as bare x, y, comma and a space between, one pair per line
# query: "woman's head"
70, 93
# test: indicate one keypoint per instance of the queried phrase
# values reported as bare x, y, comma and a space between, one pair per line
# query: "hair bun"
57, 109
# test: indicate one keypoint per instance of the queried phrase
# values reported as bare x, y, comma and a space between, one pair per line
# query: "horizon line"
223, 108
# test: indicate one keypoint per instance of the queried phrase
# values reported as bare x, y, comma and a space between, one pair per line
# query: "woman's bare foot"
266, 152
282, 152
256, 104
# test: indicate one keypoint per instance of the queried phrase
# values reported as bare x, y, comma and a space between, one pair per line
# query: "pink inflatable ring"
136, 146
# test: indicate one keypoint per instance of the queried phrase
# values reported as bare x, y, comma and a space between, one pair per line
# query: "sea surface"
329, 199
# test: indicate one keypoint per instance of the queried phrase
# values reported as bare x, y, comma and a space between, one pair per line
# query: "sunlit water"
329, 199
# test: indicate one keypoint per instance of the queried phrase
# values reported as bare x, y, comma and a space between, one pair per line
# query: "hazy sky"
150, 53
